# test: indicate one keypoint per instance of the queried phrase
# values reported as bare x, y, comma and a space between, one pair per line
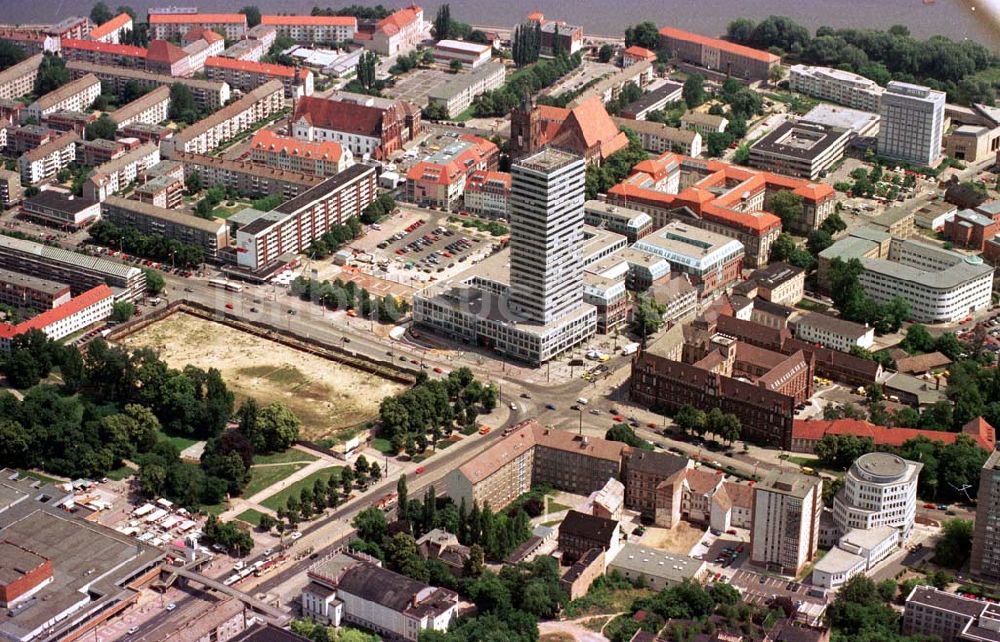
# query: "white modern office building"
835, 85
912, 123
940, 285
784, 532
880, 489
526, 302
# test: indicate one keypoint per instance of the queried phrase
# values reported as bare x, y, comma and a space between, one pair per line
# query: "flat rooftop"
804, 141
31, 282
830, 115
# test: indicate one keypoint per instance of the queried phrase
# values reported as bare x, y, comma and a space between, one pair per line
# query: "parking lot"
762, 589
417, 84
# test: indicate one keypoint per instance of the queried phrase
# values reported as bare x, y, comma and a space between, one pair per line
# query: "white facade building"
470, 54
912, 123
940, 285
834, 332
880, 489
835, 85
76, 95
784, 533
313, 29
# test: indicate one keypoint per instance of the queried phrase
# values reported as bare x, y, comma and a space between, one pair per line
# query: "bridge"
272, 614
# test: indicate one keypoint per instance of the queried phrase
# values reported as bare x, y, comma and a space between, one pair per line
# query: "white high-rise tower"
546, 235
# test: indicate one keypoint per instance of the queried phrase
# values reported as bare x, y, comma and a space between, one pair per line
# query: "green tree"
371, 524
442, 22
690, 420
833, 224
182, 103
455, 66
647, 317
694, 90
953, 547
644, 34
52, 74
100, 13
918, 340
10, 54
787, 205
740, 30
122, 311
817, 241
253, 15
104, 127
605, 53
154, 281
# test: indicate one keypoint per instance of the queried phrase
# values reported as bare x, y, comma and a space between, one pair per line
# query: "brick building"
721, 56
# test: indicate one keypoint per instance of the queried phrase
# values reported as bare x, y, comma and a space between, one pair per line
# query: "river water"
956, 19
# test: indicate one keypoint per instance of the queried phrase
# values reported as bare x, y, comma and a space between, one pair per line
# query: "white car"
513, 406
267, 552
296, 535
171, 606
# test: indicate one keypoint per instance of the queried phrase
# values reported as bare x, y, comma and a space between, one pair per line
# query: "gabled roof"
267, 140
196, 18
164, 52
398, 21
201, 33
702, 481
723, 45
47, 318
635, 51
104, 47
249, 66
339, 116
590, 527
110, 26
326, 21
815, 429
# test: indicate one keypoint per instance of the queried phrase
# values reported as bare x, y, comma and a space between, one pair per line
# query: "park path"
241, 504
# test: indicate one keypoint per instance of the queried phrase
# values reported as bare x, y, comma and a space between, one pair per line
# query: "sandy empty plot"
325, 395
679, 539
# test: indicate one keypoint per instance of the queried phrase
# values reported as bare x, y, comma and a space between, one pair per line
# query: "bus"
226, 285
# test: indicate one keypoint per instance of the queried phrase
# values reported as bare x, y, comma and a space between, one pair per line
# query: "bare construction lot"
325, 395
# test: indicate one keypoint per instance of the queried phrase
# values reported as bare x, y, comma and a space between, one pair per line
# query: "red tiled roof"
740, 494
447, 173
166, 52
268, 140
104, 47
329, 21
252, 67
196, 18
722, 45
480, 177
595, 126
536, 16
114, 24
339, 116
202, 33
815, 429
47, 318
399, 20
700, 480
635, 51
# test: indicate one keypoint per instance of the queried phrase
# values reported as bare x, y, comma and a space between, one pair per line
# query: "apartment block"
246, 75
19, 80
210, 235
313, 29
83, 311
658, 138
162, 191
487, 194
912, 123
76, 95
289, 154
101, 53
985, 563
114, 176
208, 95
834, 332
835, 85
150, 108
654, 484
786, 511
950, 617
230, 121
395, 34
579, 533
31, 42
10, 189
71, 27
45, 161
163, 26
293, 225
113, 31
30, 292
717, 55
246, 178
80, 271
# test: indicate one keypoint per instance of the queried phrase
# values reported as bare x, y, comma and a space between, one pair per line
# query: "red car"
618, 418
419, 470
930, 506
438, 370
229, 306
651, 425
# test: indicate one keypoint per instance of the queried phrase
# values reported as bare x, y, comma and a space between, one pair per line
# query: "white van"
582, 401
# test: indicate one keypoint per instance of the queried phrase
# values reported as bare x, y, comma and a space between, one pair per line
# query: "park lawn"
810, 462
280, 498
555, 507
469, 112
604, 601
290, 456
382, 445
262, 477
251, 517
215, 509
120, 473
180, 442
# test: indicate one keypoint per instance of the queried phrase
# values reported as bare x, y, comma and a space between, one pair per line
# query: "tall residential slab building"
785, 521
986, 541
546, 235
912, 123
